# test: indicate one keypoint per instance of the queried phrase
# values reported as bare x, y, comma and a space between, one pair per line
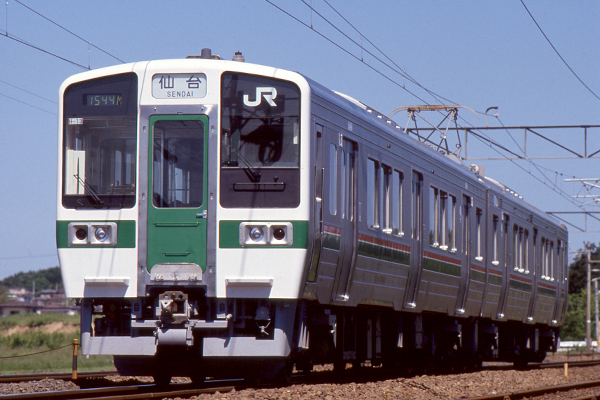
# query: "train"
220, 218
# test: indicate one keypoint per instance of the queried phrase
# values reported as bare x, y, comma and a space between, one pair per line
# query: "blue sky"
474, 53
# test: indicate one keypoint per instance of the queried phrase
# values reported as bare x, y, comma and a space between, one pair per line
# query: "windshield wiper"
255, 174
89, 187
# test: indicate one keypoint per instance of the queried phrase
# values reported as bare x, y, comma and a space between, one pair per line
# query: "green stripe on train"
518, 285
432, 264
383, 252
126, 233
229, 235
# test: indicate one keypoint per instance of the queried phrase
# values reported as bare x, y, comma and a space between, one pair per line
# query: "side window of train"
450, 224
495, 240
387, 199
535, 252
397, 203
373, 220
333, 179
552, 261
434, 200
548, 267
525, 252
520, 259
478, 232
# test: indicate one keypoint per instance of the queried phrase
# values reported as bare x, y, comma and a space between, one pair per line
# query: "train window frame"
526, 251
259, 142
552, 261
443, 214
99, 144
373, 187
333, 179
451, 224
479, 246
495, 240
434, 195
397, 203
387, 188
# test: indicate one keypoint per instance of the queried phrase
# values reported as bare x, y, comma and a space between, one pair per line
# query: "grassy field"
43, 343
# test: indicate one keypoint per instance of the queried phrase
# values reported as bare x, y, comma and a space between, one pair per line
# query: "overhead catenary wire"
27, 104
403, 74
478, 136
558, 54
65, 29
9, 36
27, 91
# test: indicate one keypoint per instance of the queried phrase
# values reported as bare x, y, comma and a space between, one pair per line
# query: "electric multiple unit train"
221, 218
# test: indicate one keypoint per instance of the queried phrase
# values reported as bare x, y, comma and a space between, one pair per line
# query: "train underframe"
177, 333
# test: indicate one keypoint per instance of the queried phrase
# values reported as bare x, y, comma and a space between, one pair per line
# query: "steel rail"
537, 392
123, 393
67, 376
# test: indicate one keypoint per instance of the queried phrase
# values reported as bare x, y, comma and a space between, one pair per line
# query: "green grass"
27, 351
59, 360
33, 320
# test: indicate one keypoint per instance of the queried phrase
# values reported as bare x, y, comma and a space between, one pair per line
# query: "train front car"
181, 225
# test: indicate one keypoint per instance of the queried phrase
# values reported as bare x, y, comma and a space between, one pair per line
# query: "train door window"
417, 203
397, 204
451, 243
513, 259
387, 199
434, 199
347, 181
536, 257
520, 251
343, 182
466, 240
504, 250
333, 179
551, 261
561, 260
544, 259
178, 164
442, 236
478, 215
495, 239
372, 194
525, 258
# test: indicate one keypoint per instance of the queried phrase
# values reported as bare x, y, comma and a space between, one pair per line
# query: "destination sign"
178, 86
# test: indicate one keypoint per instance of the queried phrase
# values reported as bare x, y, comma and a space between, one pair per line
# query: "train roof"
473, 172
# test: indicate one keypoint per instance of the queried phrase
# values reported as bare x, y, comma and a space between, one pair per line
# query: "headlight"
92, 234
266, 234
257, 234
102, 234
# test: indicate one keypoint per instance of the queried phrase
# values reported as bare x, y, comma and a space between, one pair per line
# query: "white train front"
219, 215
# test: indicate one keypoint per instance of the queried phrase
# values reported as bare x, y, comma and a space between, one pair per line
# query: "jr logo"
269, 93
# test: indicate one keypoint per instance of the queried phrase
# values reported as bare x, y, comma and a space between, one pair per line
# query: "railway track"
123, 393
544, 391
12, 378
367, 375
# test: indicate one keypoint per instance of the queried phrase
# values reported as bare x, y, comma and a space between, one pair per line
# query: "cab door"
177, 206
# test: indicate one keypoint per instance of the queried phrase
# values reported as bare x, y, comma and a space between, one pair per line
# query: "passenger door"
177, 206
348, 233
416, 250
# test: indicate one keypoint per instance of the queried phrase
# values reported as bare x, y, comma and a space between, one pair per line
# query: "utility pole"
588, 317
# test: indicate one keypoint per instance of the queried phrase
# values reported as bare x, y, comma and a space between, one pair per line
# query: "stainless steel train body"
215, 215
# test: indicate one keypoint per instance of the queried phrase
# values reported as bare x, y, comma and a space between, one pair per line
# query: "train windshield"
100, 143
260, 142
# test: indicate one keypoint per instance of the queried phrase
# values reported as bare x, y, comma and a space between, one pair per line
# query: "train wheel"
198, 379
284, 377
162, 378
339, 366
520, 364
